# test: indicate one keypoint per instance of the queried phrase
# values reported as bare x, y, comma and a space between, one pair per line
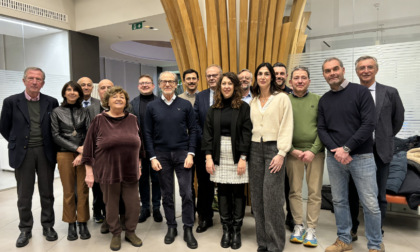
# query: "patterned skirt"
227, 172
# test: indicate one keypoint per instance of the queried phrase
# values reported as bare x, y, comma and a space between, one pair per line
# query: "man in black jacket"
26, 125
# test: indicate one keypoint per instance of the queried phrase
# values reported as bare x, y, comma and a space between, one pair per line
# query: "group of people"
238, 131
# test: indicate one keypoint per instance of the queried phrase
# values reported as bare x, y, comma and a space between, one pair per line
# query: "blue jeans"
363, 171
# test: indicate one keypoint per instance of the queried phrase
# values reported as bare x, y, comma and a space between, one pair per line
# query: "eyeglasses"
167, 81
209, 76
145, 83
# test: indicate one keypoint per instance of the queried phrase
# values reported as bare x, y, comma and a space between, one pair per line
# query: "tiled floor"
402, 233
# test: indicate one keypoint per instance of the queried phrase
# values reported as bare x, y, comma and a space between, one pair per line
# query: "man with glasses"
306, 154
205, 196
87, 86
25, 123
138, 106
170, 140
190, 79
245, 77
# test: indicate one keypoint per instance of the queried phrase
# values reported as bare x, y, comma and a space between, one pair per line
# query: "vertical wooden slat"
200, 40
243, 34
215, 39
284, 47
302, 37
262, 27
176, 32
295, 18
224, 39
210, 58
187, 33
253, 32
177, 56
268, 51
233, 58
281, 5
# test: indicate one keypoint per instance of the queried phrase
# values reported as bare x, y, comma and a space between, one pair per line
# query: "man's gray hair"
168, 72
303, 68
33, 69
366, 57
246, 70
215, 65
331, 59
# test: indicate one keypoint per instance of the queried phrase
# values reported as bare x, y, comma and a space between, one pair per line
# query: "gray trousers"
267, 196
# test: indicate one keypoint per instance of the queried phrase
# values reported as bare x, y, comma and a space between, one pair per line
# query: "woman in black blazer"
226, 141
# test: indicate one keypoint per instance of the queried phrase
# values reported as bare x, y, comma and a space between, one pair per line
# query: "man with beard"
190, 79
245, 77
281, 75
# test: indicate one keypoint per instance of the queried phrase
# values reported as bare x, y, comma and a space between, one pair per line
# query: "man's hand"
139, 169
342, 156
296, 153
189, 161
156, 165
77, 161
276, 164
241, 167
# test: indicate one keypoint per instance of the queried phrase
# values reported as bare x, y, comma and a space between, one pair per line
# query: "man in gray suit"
87, 86
93, 109
389, 120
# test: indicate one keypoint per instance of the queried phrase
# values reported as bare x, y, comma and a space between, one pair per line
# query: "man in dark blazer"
94, 109
25, 123
138, 108
389, 120
87, 86
205, 193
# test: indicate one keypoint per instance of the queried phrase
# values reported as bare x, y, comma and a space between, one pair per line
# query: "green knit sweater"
305, 113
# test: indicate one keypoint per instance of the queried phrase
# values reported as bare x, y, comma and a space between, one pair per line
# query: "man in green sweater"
307, 152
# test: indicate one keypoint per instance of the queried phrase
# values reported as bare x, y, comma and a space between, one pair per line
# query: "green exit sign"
137, 26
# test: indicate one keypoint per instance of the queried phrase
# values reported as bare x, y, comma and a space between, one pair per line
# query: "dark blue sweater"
347, 117
169, 128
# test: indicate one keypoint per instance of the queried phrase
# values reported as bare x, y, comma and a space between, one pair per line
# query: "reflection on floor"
402, 233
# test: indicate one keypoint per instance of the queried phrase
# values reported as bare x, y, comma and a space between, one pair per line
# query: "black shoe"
98, 218
204, 225
23, 239
262, 249
144, 214
236, 237
170, 235
189, 238
290, 223
353, 236
72, 233
226, 240
50, 234
83, 231
157, 216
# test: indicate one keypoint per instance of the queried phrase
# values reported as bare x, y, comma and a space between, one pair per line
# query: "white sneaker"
298, 234
310, 238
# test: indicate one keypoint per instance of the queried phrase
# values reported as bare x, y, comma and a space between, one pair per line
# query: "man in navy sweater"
346, 120
170, 140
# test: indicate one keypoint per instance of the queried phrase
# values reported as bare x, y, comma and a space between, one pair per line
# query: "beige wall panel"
271, 19
214, 31
253, 33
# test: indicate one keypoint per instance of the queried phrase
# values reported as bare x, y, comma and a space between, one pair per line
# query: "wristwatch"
243, 157
346, 149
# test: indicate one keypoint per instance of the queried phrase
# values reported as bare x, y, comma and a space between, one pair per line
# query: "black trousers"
35, 162
382, 172
98, 202
205, 192
144, 186
174, 162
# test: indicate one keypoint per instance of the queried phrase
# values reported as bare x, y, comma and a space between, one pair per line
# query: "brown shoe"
133, 239
104, 227
115, 242
381, 250
339, 246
